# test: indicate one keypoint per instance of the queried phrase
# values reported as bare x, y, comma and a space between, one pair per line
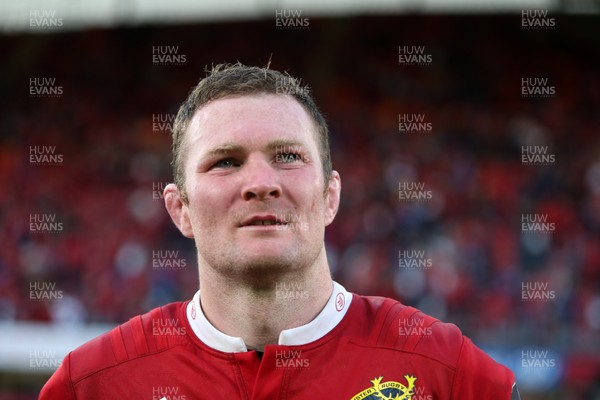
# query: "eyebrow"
231, 147
223, 149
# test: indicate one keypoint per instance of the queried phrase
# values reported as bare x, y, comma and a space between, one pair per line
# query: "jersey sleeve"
478, 376
59, 385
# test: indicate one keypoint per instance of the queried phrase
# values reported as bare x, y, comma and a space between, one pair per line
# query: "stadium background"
105, 190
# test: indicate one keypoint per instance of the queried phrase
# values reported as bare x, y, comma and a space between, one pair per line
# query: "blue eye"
225, 163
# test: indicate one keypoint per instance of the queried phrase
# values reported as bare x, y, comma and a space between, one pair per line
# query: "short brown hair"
226, 80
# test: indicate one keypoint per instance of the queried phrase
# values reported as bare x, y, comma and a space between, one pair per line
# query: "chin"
267, 247
269, 261
257, 259
268, 256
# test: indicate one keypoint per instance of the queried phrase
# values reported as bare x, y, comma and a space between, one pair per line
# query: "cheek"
205, 207
316, 206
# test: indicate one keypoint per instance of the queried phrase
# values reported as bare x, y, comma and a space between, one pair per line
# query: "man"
255, 189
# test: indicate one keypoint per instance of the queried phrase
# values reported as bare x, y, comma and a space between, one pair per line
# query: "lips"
262, 220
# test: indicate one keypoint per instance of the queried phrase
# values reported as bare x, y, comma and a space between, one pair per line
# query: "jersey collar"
328, 318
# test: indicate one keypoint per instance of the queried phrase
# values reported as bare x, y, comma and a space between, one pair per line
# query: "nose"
260, 180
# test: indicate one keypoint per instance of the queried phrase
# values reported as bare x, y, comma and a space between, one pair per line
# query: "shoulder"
396, 326
141, 336
154, 332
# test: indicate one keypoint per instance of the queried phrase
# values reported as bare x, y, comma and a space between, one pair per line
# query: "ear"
178, 210
332, 197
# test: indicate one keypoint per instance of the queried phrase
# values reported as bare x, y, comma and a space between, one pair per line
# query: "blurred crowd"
106, 191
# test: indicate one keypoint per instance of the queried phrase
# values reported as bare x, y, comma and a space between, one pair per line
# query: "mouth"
266, 220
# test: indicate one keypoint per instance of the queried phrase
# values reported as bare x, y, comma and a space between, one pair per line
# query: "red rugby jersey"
357, 348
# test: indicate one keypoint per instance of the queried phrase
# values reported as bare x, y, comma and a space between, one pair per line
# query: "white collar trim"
331, 315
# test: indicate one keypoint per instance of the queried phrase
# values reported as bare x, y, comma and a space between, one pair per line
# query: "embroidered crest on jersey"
390, 390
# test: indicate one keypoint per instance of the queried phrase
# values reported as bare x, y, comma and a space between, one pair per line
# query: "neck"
258, 312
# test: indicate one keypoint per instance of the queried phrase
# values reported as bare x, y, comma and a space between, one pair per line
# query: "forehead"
250, 119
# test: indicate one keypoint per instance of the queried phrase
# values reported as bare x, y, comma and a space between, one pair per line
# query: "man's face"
255, 186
